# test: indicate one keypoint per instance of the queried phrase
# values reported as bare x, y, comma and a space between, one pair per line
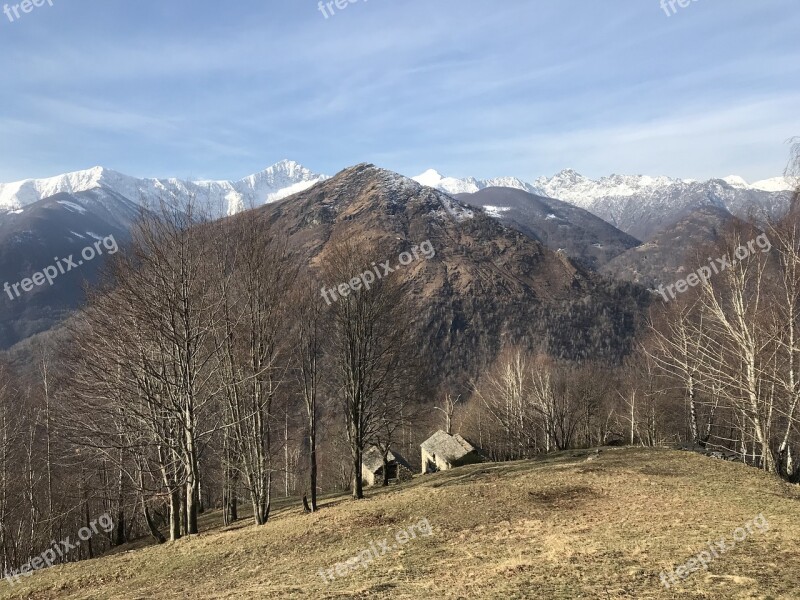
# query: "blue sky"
195, 88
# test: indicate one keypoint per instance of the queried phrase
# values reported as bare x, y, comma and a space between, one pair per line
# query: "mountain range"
629, 227
572, 186
638, 205
219, 197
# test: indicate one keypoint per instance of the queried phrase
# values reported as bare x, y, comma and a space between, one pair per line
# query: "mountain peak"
736, 181
96, 170
569, 176
370, 187
776, 184
431, 178
469, 185
389, 179
286, 165
286, 168
273, 183
286, 162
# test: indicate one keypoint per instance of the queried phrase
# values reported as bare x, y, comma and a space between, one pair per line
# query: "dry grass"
559, 527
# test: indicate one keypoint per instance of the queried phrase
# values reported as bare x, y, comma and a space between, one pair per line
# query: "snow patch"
736, 181
496, 211
72, 206
455, 210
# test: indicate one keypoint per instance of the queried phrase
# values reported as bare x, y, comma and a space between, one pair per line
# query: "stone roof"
372, 460
447, 447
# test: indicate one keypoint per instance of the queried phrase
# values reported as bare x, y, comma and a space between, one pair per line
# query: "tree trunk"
313, 461
175, 513
118, 537
358, 484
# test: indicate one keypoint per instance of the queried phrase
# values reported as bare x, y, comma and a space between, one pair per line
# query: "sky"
218, 90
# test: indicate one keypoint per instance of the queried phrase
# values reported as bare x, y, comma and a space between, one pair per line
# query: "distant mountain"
221, 197
44, 219
470, 185
641, 205
51, 234
487, 285
670, 253
584, 237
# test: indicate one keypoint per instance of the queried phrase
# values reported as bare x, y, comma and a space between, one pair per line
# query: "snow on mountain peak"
775, 184
273, 183
736, 181
622, 199
570, 175
431, 178
289, 169
18, 194
468, 185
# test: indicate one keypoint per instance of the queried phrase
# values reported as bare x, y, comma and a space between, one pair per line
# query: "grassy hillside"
559, 527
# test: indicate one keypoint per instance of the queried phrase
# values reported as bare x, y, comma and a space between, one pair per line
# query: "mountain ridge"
569, 178
273, 183
561, 226
486, 282
607, 197
640, 205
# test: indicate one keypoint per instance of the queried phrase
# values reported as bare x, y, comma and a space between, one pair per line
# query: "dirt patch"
577, 493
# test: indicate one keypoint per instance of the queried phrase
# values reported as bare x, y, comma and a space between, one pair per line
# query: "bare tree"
371, 354
309, 322
678, 352
10, 430
256, 303
732, 344
448, 409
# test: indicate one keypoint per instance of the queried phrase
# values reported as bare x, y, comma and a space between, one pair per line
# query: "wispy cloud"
470, 87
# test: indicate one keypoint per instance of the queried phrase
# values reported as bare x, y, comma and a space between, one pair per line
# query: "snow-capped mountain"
469, 185
577, 189
60, 216
774, 184
223, 197
639, 205
642, 205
